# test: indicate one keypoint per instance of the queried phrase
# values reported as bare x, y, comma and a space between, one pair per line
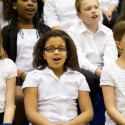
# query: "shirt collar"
83, 28
52, 73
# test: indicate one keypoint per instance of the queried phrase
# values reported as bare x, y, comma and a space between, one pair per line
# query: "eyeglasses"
52, 48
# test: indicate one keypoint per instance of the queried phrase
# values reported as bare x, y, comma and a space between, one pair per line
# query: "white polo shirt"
8, 70
114, 76
57, 97
94, 50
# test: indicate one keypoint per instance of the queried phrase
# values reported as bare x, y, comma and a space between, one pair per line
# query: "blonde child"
8, 73
96, 47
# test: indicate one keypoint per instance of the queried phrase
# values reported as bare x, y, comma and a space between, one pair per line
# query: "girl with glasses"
51, 90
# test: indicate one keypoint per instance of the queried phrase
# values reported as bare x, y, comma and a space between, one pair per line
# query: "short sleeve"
106, 78
10, 69
82, 83
31, 80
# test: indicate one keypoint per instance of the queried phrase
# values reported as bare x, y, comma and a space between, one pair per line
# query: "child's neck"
121, 61
92, 28
25, 25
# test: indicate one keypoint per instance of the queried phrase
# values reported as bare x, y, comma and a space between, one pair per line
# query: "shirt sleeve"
31, 80
110, 51
82, 83
50, 15
83, 61
10, 69
106, 78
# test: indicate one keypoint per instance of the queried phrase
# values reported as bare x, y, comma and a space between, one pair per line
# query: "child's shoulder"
8, 66
7, 29
44, 28
75, 74
75, 26
104, 28
7, 61
38, 72
110, 66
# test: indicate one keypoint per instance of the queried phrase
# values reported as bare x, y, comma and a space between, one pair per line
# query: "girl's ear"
118, 44
14, 6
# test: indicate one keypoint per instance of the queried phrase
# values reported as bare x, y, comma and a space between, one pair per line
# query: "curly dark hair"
13, 18
71, 62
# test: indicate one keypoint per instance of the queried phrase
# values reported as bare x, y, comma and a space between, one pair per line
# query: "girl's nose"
93, 10
56, 51
30, 2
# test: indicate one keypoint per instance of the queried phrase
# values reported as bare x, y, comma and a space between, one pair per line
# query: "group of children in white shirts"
53, 88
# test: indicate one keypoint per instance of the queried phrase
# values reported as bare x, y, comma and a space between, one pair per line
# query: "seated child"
8, 73
96, 47
113, 81
51, 90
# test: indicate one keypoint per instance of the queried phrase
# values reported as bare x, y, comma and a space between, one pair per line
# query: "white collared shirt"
60, 12
94, 50
8, 70
25, 45
113, 75
106, 3
57, 97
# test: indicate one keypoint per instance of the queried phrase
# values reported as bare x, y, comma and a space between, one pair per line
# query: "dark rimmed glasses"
52, 48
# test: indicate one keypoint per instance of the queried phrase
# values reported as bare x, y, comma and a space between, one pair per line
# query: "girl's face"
55, 53
26, 9
90, 12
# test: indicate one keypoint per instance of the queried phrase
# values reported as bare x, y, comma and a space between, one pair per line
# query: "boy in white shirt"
96, 47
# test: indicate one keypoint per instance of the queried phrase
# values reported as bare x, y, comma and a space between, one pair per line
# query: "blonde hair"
2, 52
78, 5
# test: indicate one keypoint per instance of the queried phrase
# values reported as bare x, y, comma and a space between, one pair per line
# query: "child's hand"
108, 14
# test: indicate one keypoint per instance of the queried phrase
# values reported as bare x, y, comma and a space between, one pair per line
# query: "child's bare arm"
10, 101
109, 99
